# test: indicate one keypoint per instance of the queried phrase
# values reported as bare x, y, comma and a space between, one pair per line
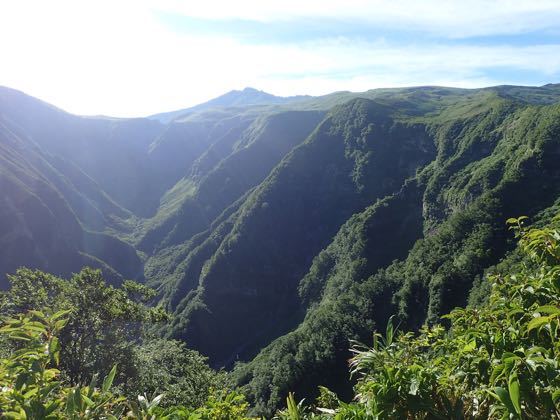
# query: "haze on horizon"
135, 58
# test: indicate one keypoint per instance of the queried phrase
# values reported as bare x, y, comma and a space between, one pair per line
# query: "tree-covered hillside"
352, 286
494, 360
275, 231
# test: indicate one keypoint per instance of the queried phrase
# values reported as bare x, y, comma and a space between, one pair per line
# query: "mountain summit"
234, 98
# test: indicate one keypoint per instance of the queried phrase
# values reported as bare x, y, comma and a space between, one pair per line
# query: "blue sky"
133, 58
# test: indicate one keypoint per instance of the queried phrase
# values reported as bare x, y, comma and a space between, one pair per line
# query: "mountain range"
277, 229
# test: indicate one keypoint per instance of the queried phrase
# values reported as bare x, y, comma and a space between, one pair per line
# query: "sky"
135, 58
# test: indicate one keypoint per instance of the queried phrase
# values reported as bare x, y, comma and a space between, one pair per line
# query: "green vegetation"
345, 164
32, 387
95, 327
498, 360
444, 228
272, 231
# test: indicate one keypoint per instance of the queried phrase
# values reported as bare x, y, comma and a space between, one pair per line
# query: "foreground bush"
107, 326
31, 386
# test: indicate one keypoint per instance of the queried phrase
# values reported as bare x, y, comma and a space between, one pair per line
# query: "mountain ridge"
234, 98
274, 233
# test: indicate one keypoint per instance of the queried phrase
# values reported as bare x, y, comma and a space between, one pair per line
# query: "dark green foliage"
462, 218
107, 326
496, 361
252, 154
315, 189
342, 304
104, 323
168, 367
31, 387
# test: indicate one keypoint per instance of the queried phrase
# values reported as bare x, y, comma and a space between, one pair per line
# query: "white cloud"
116, 58
452, 18
365, 66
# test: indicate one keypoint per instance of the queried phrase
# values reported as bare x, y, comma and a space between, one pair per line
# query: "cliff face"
357, 155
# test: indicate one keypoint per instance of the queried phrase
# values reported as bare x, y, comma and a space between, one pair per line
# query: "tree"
169, 367
104, 322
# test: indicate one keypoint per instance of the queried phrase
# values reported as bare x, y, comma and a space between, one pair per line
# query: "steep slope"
176, 151
110, 174
237, 162
249, 286
110, 151
86, 181
497, 161
38, 224
133, 160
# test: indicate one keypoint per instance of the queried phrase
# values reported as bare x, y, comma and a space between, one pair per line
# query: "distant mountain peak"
249, 96
250, 89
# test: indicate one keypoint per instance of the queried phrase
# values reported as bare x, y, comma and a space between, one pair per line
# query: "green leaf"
13, 415
414, 385
514, 394
470, 346
87, 400
548, 309
389, 332
70, 405
35, 326
535, 349
51, 407
38, 314
108, 381
60, 324
157, 400
538, 322
59, 314
78, 399
30, 393
92, 385
54, 349
556, 396
503, 396
20, 335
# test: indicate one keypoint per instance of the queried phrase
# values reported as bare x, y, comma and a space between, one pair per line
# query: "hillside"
276, 229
